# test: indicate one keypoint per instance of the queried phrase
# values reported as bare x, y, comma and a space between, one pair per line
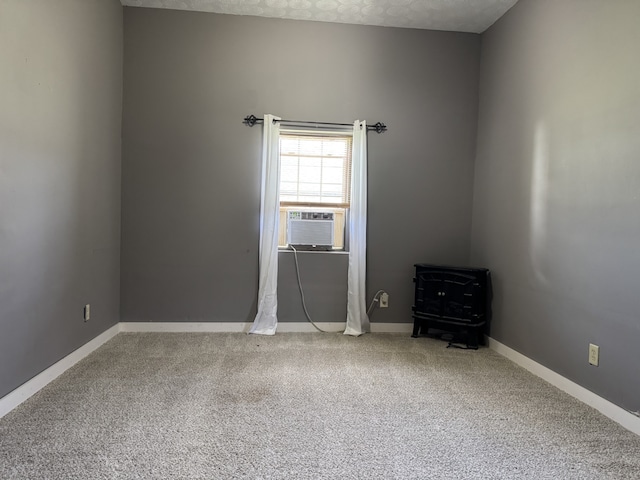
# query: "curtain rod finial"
380, 127
250, 120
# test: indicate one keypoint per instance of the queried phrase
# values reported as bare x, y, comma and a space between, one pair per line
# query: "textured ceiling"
453, 15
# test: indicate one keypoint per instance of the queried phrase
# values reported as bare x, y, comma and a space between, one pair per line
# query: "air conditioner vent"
310, 230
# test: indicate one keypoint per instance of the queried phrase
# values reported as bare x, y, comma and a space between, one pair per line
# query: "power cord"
304, 304
376, 297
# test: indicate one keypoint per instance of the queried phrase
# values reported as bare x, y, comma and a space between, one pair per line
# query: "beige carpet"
300, 406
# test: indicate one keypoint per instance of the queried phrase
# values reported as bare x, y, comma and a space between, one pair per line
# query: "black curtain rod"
251, 120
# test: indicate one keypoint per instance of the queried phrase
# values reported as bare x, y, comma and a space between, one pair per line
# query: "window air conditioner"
310, 230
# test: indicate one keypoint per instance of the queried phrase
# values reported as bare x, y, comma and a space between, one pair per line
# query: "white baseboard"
306, 327
338, 327
243, 327
186, 327
611, 410
33, 386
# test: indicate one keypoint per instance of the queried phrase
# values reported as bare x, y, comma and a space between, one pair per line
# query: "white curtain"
357, 319
266, 320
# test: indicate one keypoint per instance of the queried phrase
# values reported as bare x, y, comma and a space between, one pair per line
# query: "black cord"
453, 345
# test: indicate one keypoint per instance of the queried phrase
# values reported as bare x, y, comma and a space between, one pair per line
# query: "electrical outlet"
384, 300
87, 312
594, 354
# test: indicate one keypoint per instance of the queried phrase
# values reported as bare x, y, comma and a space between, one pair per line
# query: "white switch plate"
87, 312
594, 354
384, 300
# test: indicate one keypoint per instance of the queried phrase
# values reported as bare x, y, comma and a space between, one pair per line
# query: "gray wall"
557, 203
60, 118
191, 170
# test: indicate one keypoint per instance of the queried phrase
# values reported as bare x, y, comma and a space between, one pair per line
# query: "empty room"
319, 239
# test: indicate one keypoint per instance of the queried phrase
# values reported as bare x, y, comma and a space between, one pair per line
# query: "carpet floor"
306, 406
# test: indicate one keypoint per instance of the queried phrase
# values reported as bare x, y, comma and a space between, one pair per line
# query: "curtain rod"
251, 120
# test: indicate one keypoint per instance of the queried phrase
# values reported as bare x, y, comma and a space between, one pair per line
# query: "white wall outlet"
384, 300
87, 312
594, 354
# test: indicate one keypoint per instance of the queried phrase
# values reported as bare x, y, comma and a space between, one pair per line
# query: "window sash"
305, 156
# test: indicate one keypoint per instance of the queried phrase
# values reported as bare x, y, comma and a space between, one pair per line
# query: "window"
315, 175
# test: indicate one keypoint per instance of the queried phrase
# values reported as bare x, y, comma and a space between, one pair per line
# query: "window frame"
340, 209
